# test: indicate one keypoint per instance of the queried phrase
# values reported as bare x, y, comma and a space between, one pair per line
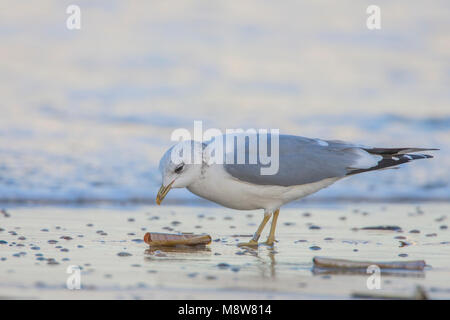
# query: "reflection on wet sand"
178, 249
266, 263
177, 254
363, 272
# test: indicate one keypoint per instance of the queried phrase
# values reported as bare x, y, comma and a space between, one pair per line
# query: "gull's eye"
179, 168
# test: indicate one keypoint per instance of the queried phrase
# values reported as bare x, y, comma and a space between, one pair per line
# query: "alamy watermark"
373, 21
374, 280
73, 281
236, 146
73, 22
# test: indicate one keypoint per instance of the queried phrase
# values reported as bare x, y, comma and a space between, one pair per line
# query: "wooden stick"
171, 240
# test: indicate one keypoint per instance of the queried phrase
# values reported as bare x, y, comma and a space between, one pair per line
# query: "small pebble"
5, 213
404, 244
159, 253
387, 228
124, 254
52, 261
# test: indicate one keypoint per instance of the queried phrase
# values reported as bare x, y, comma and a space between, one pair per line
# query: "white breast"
220, 187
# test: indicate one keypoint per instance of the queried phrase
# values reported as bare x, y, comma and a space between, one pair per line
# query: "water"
87, 114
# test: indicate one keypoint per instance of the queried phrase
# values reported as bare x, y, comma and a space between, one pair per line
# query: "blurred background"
86, 114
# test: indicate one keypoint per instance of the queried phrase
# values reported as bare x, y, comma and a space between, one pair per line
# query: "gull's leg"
254, 240
271, 238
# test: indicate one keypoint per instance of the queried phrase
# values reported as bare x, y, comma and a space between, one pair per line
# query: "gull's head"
180, 166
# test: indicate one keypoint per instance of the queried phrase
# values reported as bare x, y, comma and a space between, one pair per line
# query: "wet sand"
37, 244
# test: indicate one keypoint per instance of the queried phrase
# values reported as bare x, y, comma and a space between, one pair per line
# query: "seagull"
305, 166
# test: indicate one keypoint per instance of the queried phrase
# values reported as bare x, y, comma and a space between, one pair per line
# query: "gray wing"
301, 161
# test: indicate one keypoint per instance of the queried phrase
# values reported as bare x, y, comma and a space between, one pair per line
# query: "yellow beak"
163, 191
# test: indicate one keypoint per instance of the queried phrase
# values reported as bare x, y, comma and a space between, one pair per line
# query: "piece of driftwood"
170, 240
323, 262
